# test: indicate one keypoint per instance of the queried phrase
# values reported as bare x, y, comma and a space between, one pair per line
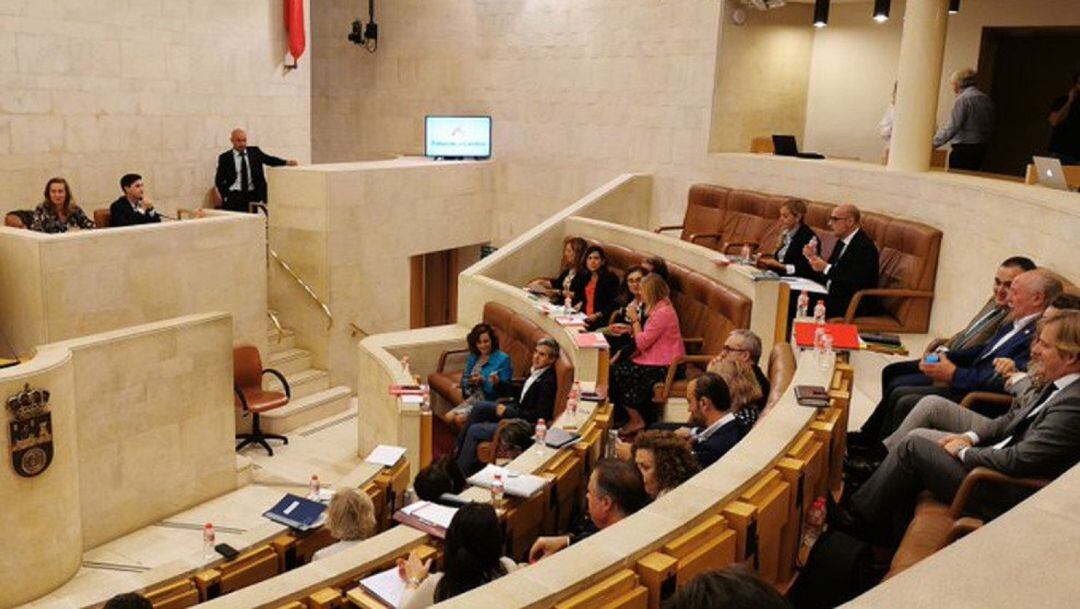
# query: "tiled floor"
326, 448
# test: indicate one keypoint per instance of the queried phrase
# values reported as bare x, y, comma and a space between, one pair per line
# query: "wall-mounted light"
954, 7
881, 10
821, 13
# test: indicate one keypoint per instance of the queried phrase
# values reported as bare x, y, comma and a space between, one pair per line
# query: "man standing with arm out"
240, 179
1038, 438
852, 265
132, 208
1064, 122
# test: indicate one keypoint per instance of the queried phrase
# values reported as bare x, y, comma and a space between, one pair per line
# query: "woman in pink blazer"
658, 343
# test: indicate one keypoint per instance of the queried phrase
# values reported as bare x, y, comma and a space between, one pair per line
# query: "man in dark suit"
1038, 438
535, 400
852, 265
132, 208
240, 179
713, 428
972, 369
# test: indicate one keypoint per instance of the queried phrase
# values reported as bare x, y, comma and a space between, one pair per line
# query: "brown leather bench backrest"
781, 370
749, 215
707, 309
517, 338
705, 211
908, 259
102, 218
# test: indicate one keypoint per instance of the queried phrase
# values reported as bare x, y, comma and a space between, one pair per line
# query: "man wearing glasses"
852, 265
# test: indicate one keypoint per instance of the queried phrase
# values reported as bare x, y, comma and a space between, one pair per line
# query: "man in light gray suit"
1038, 438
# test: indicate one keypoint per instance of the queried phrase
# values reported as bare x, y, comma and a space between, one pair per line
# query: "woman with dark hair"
656, 264
441, 477
472, 557
595, 288
618, 333
485, 370
58, 212
787, 258
665, 461
731, 588
572, 259
658, 343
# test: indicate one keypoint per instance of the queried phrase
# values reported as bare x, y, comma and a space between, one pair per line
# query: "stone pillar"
922, 49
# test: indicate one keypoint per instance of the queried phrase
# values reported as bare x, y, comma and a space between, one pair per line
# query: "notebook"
558, 438
811, 395
386, 455
514, 483
386, 586
296, 512
426, 516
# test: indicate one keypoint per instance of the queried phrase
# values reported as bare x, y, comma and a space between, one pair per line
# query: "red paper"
591, 340
845, 336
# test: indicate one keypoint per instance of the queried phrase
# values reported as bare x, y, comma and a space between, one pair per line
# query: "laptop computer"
785, 145
1050, 172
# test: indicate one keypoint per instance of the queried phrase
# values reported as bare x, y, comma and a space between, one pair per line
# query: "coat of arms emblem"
31, 431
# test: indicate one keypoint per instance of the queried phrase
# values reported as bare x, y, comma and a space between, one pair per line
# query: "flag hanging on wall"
294, 27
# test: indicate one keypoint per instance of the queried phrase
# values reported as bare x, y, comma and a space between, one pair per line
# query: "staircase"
312, 396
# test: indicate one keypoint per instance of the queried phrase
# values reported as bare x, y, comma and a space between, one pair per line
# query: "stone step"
302, 384
288, 340
306, 410
245, 470
290, 361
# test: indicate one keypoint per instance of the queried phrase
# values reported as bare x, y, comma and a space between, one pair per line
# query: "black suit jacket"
123, 214
605, 297
717, 445
763, 383
538, 403
794, 254
856, 269
226, 171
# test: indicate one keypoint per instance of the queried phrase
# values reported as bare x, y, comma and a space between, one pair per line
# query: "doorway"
1024, 69
433, 299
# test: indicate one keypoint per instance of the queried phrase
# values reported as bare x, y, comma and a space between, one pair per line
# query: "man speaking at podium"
240, 179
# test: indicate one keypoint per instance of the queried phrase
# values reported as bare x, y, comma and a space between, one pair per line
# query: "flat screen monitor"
457, 137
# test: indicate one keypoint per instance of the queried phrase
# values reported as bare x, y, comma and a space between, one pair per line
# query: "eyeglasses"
727, 349
838, 218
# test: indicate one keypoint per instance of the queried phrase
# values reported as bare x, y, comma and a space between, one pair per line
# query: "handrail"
278, 330
303, 284
355, 329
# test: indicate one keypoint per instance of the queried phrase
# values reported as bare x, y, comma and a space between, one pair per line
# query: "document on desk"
516, 484
798, 284
386, 586
384, 454
431, 513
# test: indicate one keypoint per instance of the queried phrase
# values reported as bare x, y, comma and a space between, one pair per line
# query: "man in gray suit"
1038, 438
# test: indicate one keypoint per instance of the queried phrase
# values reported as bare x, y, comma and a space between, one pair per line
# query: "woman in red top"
658, 344
595, 289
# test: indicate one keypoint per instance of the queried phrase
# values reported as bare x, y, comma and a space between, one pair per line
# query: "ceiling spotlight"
954, 7
881, 10
821, 13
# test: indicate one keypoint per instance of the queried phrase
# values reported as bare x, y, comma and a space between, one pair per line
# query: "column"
922, 49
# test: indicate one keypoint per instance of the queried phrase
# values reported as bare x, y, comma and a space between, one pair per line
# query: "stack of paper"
386, 455
386, 586
516, 484
430, 513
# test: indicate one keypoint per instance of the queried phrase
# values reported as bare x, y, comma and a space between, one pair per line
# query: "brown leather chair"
252, 398
936, 524
704, 215
19, 218
780, 371
102, 218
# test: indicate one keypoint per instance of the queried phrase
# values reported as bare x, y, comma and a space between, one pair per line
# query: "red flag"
294, 25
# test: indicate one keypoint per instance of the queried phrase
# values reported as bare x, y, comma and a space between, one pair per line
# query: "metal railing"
278, 330
303, 284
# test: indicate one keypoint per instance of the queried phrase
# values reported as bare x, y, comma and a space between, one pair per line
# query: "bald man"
240, 179
852, 265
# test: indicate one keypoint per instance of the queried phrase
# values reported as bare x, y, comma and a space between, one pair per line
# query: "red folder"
591, 340
845, 336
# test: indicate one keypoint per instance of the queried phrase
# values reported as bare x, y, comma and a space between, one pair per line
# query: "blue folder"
296, 512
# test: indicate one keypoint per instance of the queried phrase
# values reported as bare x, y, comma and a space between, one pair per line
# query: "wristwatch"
414, 582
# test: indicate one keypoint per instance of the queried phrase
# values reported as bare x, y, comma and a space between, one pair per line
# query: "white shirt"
1017, 326
239, 168
533, 375
705, 434
843, 248
1059, 385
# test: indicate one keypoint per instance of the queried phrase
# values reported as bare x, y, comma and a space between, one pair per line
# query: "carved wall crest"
30, 431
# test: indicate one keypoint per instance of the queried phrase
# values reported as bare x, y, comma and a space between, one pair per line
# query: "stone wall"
93, 90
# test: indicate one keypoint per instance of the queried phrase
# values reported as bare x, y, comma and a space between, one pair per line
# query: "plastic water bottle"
819, 312
409, 497
804, 305
498, 491
425, 404
819, 340
313, 488
541, 431
612, 442
747, 253
815, 522
405, 368
568, 305
208, 541
826, 348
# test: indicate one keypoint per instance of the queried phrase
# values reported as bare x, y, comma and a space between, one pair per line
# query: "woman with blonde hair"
747, 400
350, 519
657, 343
